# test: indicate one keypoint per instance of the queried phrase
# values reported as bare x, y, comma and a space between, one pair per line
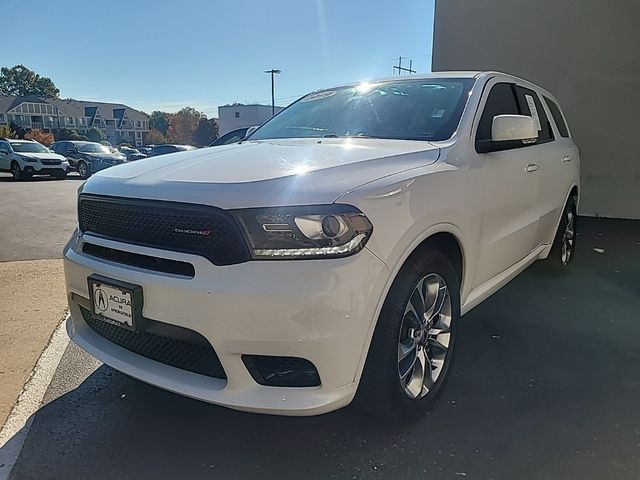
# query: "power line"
401, 69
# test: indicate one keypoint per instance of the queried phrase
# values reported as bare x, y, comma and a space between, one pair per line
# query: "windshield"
408, 109
29, 147
93, 148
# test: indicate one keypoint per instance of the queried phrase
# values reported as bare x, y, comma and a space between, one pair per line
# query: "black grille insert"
182, 227
164, 265
169, 344
275, 371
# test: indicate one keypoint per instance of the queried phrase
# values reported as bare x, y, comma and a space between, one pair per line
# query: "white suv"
25, 158
332, 253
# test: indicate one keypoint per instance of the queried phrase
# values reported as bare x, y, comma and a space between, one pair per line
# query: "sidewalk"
32, 304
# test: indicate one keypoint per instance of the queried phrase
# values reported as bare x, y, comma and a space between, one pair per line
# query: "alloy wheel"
15, 171
425, 335
568, 238
82, 169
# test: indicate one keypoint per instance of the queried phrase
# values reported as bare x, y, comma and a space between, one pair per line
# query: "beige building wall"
587, 53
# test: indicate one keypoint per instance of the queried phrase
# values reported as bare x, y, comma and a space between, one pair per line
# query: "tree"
7, 132
206, 132
183, 124
159, 121
21, 81
154, 137
65, 134
39, 136
95, 135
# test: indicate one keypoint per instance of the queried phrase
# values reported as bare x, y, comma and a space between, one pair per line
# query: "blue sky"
156, 55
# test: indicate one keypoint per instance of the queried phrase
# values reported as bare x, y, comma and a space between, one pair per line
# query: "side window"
501, 101
4, 147
557, 117
70, 148
530, 105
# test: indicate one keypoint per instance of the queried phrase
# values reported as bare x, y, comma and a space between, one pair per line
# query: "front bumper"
319, 310
40, 169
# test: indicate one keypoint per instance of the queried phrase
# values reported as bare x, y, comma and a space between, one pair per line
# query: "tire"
564, 243
83, 170
61, 175
16, 172
390, 388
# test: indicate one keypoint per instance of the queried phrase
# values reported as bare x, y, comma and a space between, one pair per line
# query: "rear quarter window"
557, 117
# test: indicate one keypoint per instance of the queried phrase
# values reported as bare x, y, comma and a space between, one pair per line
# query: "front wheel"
564, 243
83, 170
412, 347
16, 172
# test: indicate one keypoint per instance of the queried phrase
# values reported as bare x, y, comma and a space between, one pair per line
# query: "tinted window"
232, 137
557, 117
530, 105
428, 109
4, 147
501, 101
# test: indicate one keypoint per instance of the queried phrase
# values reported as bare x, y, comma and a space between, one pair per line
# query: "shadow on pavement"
546, 384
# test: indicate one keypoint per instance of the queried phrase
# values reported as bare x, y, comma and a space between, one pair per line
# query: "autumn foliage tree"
154, 137
38, 135
183, 124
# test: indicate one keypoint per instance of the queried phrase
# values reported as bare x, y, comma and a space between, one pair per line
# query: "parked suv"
25, 158
332, 253
87, 157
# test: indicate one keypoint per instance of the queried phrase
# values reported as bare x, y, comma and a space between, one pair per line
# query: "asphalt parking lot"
545, 385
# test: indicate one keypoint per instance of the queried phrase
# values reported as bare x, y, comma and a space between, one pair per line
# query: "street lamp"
273, 72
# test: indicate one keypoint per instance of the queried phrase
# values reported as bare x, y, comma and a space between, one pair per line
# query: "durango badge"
204, 233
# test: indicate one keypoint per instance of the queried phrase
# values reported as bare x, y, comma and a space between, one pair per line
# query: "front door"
510, 183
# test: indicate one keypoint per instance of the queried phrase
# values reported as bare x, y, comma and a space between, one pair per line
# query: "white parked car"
332, 253
25, 158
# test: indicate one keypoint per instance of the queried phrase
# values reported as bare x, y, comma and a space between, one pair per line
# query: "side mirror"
509, 131
250, 130
513, 127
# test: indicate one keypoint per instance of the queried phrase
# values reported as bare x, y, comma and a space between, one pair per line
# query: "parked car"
87, 158
25, 158
234, 136
331, 254
131, 153
164, 149
145, 149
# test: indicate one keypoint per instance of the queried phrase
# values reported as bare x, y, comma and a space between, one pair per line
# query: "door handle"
532, 167
567, 158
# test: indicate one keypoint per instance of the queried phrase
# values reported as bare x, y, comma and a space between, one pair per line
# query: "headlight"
317, 231
29, 159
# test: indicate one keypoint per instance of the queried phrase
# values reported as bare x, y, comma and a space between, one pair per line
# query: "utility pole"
273, 72
401, 69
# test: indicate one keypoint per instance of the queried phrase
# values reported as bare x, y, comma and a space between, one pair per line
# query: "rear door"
5, 155
559, 166
510, 185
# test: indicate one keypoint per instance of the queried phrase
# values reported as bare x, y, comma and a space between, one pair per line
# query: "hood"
43, 156
263, 173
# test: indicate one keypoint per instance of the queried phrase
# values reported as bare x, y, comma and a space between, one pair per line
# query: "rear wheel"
564, 243
412, 347
83, 170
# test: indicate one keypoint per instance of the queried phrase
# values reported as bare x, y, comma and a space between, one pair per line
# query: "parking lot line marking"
15, 430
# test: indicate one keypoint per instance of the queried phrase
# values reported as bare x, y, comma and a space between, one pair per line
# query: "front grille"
169, 344
182, 227
142, 261
51, 162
